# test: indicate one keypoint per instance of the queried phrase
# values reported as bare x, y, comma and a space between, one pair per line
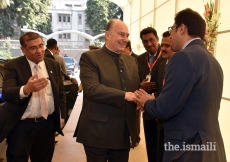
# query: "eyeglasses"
171, 28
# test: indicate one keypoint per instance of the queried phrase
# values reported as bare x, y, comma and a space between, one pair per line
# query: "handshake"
139, 97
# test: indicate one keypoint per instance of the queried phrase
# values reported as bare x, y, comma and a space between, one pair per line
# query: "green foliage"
7, 45
4, 3
97, 43
30, 13
98, 14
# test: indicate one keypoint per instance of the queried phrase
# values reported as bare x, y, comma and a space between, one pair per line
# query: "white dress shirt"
33, 109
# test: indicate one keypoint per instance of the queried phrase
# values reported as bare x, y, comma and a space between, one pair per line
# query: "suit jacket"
49, 55
61, 62
134, 55
143, 70
189, 104
106, 119
16, 74
161, 74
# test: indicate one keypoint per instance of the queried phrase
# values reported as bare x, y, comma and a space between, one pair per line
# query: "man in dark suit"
148, 64
128, 50
34, 123
51, 48
190, 100
107, 122
167, 52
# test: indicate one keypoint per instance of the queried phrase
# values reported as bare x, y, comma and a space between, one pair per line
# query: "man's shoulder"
17, 60
134, 55
142, 56
58, 57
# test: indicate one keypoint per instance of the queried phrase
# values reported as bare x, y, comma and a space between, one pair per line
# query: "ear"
107, 34
23, 50
182, 29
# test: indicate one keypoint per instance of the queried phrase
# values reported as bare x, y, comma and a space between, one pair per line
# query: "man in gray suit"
51, 48
60, 59
190, 100
107, 122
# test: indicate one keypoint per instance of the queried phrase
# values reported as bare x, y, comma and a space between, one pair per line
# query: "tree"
30, 13
4, 3
98, 14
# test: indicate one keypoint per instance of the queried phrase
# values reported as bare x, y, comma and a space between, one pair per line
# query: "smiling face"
34, 50
117, 36
150, 42
166, 47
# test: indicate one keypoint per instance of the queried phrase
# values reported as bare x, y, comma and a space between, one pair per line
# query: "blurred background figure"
128, 50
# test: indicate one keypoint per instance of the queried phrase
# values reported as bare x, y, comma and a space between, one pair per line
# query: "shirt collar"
153, 55
111, 50
32, 64
50, 51
185, 45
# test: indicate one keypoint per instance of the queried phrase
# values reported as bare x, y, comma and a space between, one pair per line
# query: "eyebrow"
36, 46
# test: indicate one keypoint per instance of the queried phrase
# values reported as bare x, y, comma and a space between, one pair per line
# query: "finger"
33, 77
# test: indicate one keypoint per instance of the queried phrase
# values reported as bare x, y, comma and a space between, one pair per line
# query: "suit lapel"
25, 68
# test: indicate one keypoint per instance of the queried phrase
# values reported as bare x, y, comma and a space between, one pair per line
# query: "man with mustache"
148, 64
167, 52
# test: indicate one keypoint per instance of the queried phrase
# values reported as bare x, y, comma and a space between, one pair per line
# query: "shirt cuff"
21, 93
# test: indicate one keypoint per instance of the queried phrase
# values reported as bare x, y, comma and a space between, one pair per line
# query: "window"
59, 17
68, 19
68, 36
68, 5
64, 36
79, 19
64, 18
77, 5
60, 36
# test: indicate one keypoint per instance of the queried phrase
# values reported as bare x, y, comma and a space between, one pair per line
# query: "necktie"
151, 59
41, 93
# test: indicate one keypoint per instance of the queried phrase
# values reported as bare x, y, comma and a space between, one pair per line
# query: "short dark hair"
166, 34
28, 37
193, 21
51, 44
147, 31
129, 45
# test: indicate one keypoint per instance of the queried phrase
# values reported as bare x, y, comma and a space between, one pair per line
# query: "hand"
141, 109
147, 86
130, 96
142, 97
62, 123
35, 85
73, 80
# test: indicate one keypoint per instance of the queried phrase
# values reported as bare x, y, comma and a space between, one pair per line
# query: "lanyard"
153, 64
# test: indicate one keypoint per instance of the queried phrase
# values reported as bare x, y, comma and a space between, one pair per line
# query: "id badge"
148, 77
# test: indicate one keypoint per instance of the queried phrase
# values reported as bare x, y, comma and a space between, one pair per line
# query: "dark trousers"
31, 139
154, 140
103, 155
138, 113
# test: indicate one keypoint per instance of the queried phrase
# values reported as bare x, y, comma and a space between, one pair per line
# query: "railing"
62, 44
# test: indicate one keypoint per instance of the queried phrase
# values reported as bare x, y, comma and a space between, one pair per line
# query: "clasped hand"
139, 97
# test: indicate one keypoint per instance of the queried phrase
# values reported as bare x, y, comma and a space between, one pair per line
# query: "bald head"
116, 35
